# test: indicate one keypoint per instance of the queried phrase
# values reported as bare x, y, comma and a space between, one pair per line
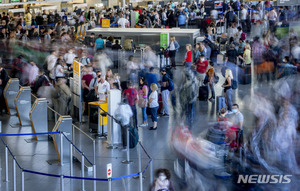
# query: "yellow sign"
76, 66
105, 23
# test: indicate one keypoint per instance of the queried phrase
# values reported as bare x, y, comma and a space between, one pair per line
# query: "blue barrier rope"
127, 176
147, 166
41, 173
78, 150
25, 134
70, 177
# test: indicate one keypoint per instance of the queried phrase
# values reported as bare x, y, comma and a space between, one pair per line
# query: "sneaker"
144, 125
165, 115
211, 99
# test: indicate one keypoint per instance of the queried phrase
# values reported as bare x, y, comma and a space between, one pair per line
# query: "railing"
71, 176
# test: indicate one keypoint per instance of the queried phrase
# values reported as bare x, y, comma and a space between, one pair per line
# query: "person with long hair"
228, 89
143, 100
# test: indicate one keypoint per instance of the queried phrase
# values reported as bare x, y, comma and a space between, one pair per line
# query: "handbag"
167, 54
92, 95
142, 102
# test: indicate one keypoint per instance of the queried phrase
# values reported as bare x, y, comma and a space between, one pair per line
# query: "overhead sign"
288, 2
109, 170
164, 40
105, 23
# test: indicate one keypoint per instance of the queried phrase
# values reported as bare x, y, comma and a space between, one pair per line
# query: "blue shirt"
99, 43
151, 78
181, 20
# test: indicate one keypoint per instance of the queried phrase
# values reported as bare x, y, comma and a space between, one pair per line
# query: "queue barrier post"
95, 183
109, 184
151, 171
14, 174
62, 183
22, 180
6, 163
140, 167
61, 149
82, 171
127, 161
71, 159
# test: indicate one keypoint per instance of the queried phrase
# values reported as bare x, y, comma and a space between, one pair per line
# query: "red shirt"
87, 78
131, 95
188, 56
201, 66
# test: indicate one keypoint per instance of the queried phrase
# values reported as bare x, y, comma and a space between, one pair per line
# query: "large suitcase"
133, 137
215, 135
203, 93
244, 76
220, 103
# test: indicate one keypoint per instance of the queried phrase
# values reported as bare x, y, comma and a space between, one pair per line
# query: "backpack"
171, 84
234, 84
51, 19
243, 35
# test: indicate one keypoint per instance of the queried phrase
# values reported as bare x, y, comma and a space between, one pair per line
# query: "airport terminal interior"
149, 95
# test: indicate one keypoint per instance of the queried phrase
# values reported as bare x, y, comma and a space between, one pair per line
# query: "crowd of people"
252, 39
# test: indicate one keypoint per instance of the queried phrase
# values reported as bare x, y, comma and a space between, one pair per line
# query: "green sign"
137, 17
13, 1
164, 40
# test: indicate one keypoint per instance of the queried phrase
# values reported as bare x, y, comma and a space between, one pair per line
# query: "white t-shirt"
123, 22
57, 71
172, 46
69, 58
154, 102
102, 89
244, 14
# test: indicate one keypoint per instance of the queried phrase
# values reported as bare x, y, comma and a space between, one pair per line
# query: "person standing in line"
143, 100
173, 48
102, 88
244, 18
228, 89
211, 80
188, 56
99, 43
165, 92
132, 97
201, 65
153, 105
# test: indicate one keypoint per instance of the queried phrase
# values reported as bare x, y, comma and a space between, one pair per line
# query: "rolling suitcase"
203, 93
215, 135
220, 103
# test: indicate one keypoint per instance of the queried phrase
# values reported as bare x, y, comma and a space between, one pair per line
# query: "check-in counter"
96, 116
151, 36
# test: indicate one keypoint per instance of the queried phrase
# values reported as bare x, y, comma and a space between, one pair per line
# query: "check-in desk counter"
97, 118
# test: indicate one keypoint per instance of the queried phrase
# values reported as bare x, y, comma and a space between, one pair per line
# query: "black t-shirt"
232, 55
116, 47
165, 78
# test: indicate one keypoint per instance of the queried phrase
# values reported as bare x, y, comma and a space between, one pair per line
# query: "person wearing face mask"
94, 82
163, 181
236, 117
201, 65
222, 115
